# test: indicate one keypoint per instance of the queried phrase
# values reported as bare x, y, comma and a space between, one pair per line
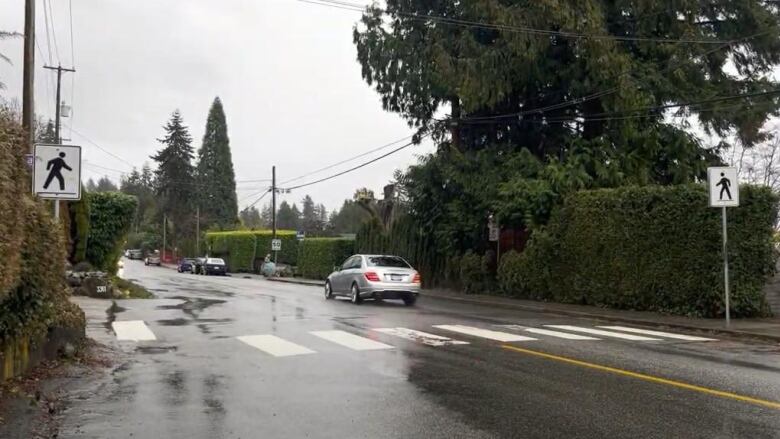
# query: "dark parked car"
214, 266
197, 265
186, 265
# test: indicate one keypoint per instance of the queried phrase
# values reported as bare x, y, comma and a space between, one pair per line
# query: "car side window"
358, 262
348, 263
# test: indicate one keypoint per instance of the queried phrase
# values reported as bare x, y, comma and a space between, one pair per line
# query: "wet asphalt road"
198, 380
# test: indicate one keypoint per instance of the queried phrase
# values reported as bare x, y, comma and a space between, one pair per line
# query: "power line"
101, 148
53, 31
387, 145
356, 167
48, 36
258, 200
513, 28
72, 64
602, 93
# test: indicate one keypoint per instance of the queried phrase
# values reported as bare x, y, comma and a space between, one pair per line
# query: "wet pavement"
228, 357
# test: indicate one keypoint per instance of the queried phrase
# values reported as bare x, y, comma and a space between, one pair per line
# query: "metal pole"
28, 81
726, 268
273, 205
165, 226
56, 211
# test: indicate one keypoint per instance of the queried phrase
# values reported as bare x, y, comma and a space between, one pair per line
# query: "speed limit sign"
276, 245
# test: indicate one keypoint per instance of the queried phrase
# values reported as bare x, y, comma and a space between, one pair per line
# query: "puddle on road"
192, 307
111, 313
156, 349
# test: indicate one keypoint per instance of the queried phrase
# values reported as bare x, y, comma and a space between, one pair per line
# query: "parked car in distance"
374, 277
186, 265
214, 266
197, 265
134, 254
153, 259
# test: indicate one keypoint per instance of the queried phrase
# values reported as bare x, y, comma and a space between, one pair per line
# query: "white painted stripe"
602, 332
551, 333
484, 333
271, 344
351, 341
419, 336
135, 330
558, 334
658, 333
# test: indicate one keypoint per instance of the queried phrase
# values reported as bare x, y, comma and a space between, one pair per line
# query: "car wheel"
354, 295
409, 301
328, 291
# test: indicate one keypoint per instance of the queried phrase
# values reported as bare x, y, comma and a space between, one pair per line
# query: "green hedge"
649, 248
243, 249
13, 182
318, 256
110, 217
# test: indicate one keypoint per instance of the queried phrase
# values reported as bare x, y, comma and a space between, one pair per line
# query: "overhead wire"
73, 65
514, 28
354, 168
48, 35
387, 145
53, 31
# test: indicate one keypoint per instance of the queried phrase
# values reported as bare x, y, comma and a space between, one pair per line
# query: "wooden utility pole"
197, 231
273, 205
59, 70
28, 95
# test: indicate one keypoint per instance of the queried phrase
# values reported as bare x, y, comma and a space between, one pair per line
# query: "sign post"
57, 173
724, 192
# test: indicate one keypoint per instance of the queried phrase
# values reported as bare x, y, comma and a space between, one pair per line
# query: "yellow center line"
650, 378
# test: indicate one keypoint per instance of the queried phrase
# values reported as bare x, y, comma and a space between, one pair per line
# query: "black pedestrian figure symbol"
54, 167
724, 184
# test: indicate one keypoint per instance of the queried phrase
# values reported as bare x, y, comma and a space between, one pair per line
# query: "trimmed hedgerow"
318, 256
243, 249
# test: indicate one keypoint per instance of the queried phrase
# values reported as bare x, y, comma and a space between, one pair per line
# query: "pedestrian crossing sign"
723, 186
57, 172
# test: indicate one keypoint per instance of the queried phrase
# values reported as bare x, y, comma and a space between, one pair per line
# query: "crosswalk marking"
271, 344
549, 332
658, 333
484, 333
351, 341
603, 333
419, 336
135, 330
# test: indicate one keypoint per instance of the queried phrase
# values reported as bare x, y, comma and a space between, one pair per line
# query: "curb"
635, 321
295, 281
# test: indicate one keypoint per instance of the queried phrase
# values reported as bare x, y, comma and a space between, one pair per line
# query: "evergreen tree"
250, 217
349, 218
322, 217
266, 216
46, 133
104, 184
217, 196
309, 215
287, 217
174, 179
91, 186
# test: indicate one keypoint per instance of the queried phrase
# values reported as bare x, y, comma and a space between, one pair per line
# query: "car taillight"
371, 276
416, 279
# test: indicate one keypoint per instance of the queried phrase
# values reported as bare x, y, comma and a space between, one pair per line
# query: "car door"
355, 270
338, 280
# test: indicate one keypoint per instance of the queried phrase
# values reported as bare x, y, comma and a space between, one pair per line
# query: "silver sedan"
374, 277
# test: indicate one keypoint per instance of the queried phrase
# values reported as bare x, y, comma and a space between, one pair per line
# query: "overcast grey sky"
285, 71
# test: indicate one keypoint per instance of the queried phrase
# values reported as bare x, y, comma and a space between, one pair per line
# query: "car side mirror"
336, 268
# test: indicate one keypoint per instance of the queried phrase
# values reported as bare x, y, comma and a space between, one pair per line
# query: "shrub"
318, 256
474, 273
527, 275
654, 248
110, 217
242, 249
79, 228
13, 181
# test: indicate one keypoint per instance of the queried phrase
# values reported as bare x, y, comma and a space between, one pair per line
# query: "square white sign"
723, 186
57, 172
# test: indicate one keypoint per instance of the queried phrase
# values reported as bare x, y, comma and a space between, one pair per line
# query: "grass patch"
130, 289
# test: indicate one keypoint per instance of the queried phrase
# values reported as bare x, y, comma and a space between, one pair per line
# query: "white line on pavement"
484, 333
658, 333
271, 344
419, 336
559, 334
351, 341
603, 333
135, 330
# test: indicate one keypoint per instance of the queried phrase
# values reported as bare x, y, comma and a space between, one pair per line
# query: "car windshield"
215, 261
387, 261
